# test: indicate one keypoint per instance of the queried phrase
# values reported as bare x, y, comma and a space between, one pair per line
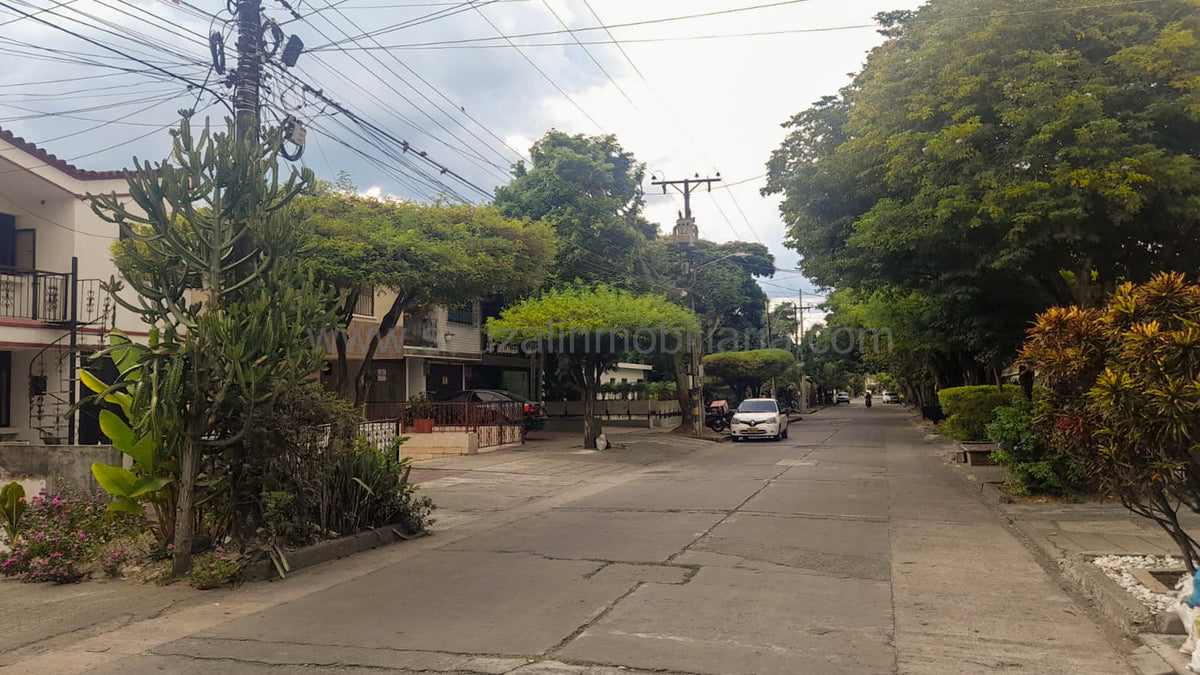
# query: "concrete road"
847, 548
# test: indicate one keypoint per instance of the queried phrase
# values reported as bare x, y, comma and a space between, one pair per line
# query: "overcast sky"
683, 95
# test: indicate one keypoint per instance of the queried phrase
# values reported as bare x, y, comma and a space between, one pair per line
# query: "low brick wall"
50, 464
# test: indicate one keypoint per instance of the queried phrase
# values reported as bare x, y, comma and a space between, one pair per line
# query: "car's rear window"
758, 406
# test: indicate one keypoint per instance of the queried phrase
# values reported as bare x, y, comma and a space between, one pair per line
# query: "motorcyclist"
868, 397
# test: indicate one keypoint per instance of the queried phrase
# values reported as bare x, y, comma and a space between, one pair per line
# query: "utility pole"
245, 99
249, 69
685, 227
686, 232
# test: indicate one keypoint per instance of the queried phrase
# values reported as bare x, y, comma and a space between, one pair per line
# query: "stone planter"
977, 454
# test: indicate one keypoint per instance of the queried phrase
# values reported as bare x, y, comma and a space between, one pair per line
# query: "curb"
1161, 656
324, 551
1118, 606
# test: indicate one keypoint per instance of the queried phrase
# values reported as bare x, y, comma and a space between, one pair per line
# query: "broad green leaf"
126, 505
147, 484
92, 382
115, 480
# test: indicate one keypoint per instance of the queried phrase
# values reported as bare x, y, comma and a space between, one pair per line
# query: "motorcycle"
718, 416
868, 401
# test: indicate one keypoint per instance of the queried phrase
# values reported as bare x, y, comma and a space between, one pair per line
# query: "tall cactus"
227, 332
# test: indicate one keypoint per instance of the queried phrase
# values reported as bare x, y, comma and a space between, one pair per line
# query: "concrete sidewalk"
1068, 535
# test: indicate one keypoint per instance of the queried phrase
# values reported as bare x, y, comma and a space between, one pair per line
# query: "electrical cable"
538, 68
467, 43
107, 47
502, 168
644, 22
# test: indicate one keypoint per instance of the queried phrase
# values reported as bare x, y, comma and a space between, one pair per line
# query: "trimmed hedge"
970, 409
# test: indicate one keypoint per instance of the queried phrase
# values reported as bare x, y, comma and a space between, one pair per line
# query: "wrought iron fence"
495, 423
380, 433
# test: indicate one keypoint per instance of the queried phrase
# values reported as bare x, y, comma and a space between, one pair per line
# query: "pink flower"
170, 547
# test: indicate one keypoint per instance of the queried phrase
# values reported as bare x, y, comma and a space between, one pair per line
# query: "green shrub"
213, 570
369, 488
970, 409
1032, 464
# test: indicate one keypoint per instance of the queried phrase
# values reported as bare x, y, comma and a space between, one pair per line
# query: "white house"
54, 252
624, 373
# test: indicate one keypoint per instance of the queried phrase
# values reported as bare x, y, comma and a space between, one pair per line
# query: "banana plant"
151, 480
12, 505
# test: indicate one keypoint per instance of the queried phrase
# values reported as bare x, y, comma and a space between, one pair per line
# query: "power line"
89, 40
382, 133
469, 43
449, 114
644, 22
538, 69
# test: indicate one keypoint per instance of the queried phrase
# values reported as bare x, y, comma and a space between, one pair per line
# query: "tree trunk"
587, 378
184, 518
362, 380
683, 391
341, 369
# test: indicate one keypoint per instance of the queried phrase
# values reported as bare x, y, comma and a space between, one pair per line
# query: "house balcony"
45, 297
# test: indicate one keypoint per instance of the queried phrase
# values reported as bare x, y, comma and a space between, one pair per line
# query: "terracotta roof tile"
60, 164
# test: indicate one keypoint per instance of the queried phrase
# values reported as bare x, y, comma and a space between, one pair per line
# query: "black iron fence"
450, 416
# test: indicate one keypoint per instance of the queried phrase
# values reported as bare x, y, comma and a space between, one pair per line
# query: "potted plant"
420, 414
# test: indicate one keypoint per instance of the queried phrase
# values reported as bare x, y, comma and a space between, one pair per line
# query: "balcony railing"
44, 296
34, 294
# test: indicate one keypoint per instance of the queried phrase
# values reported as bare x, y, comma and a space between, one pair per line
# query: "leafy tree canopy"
589, 190
1003, 164
746, 372
590, 328
425, 253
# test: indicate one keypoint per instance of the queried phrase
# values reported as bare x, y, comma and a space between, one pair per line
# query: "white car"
759, 418
891, 397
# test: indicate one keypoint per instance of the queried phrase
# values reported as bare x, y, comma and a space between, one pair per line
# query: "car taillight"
529, 408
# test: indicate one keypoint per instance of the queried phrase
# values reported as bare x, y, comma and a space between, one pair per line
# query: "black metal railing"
34, 294
96, 306
45, 296
488, 419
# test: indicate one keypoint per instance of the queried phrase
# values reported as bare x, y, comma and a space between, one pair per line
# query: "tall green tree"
228, 332
589, 190
590, 330
717, 282
1003, 163
425, 253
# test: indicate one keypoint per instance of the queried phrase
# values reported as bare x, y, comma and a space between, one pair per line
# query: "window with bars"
365, 306
462, 315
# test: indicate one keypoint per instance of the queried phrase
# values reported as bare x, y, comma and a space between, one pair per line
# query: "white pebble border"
1117, 568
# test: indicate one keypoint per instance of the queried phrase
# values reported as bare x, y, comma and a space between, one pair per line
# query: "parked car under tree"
759, 418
